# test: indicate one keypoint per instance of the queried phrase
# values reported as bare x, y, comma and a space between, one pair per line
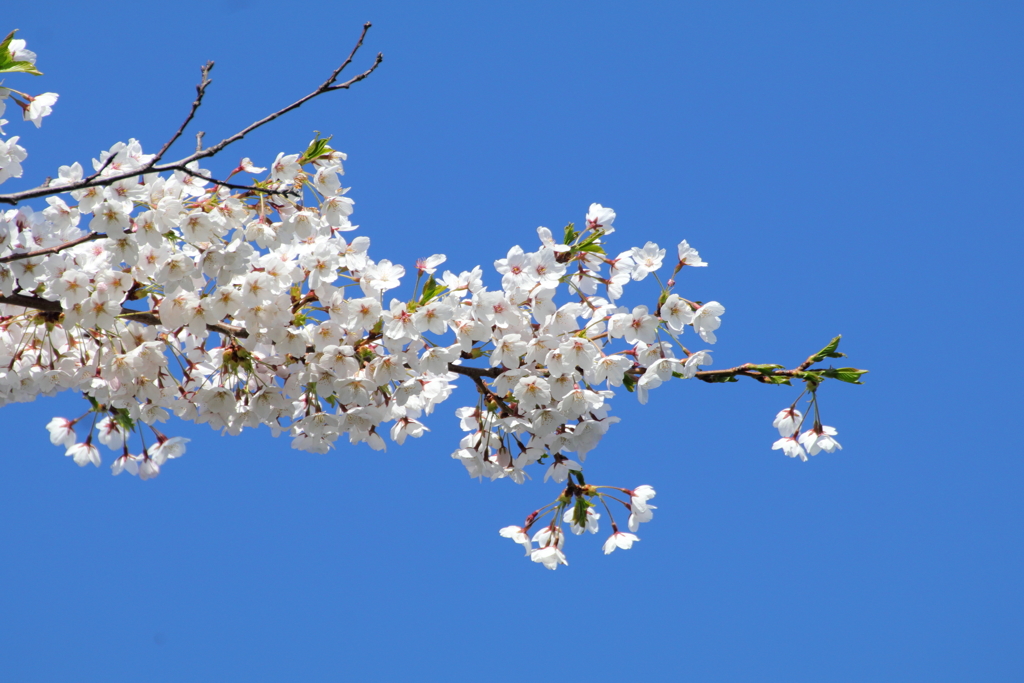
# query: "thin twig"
109, 160
210, 151
200, 91
153, 167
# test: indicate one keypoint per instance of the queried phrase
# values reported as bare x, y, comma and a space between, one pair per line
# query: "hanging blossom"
247, 305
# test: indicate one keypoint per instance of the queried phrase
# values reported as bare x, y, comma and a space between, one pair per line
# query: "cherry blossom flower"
517, 534
819, 438
39, 106
549, 551
706, 320
600, 218
688, 256
788, 421
647, 260
62, 432
619, 539
790, 447
285, 168
591, 526
84, 453
11, 156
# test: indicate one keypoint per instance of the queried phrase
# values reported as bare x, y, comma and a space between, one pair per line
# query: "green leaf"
570, 234
767, 367
828, 352
21, 67
7, 63
123, 419
579, 511
317, 148
628, 382
851, 375
5, 47
777, 379
431, 289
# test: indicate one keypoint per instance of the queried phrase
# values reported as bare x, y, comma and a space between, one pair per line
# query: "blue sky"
849, 169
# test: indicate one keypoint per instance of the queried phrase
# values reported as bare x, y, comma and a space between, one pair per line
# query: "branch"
32, 302
144, 317
233, 186
99, 171
758, 372
325, 87
153, 167
53, 250
200, 91
474, 373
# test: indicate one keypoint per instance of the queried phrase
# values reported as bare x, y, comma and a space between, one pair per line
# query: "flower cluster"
575, 507
248, 303
811, 442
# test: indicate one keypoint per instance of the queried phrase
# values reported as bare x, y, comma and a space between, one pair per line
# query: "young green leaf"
570, 234
828, 352
7, 62
851, 375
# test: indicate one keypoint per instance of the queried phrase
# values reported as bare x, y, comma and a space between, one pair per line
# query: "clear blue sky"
845, 168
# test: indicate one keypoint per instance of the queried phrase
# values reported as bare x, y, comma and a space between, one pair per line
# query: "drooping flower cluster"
814, 440
245, 304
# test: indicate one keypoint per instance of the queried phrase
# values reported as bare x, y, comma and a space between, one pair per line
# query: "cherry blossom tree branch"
760, 373
474, 373
154, 167
748, 370
246, 188
326, 86
53, 250
200, 92
144, 317
99, 171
